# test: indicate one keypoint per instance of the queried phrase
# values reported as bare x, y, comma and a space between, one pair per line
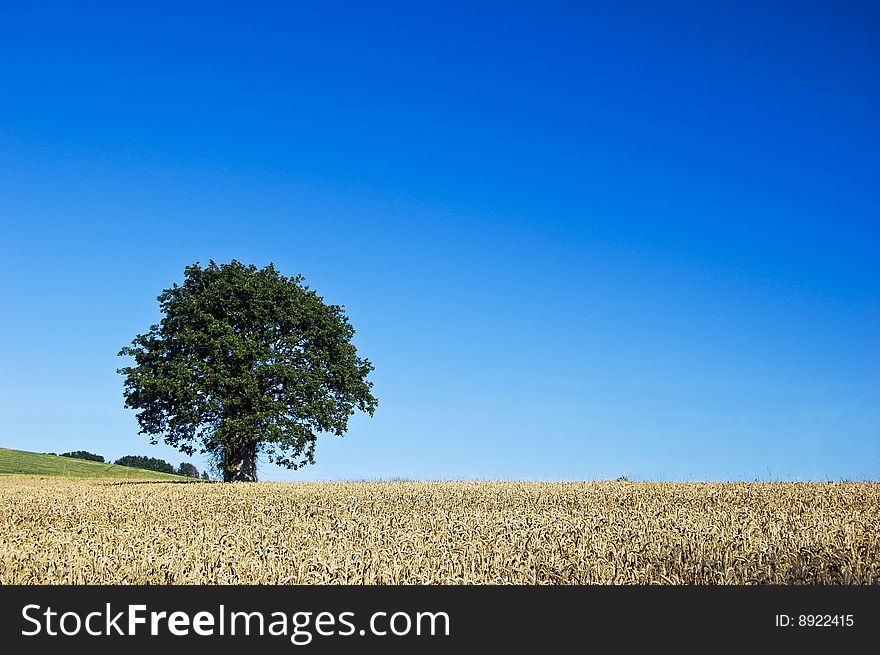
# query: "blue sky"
578, 240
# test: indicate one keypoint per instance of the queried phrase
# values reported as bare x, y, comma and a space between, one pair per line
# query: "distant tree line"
154, 464
140, 462
147, 463
82, 454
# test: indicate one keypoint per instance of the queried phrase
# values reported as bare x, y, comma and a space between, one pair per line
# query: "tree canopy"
246, 361
84, 454
147, 463
187, 470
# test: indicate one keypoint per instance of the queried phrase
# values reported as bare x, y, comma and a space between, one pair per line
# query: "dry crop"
67, 531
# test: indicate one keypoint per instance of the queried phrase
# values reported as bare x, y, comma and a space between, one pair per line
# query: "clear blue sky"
578, 240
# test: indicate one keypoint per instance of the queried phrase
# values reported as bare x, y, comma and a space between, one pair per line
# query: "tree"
246, 361
187, 470
148, 463
84, 454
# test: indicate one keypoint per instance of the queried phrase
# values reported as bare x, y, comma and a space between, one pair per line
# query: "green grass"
20, 462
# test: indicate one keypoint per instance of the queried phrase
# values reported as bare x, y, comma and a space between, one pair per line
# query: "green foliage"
82, 454
20, 462
146, 463
246, 361
187, 470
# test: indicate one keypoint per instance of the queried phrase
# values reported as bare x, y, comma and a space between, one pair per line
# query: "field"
18, 462
99, 532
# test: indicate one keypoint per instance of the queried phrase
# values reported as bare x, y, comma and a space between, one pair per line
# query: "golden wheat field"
74, 531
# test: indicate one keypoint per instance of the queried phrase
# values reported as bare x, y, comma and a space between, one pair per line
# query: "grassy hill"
20, 462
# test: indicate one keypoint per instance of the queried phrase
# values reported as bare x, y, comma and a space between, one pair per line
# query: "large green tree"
246, 361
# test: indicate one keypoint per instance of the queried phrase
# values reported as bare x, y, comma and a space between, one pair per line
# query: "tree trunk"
240, 465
